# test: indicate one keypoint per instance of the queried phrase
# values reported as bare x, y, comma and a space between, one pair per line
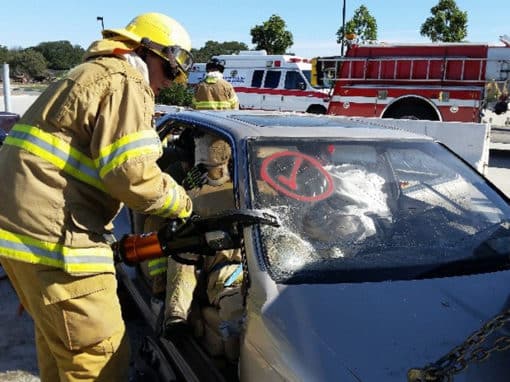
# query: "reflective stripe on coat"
215, 94
85, 145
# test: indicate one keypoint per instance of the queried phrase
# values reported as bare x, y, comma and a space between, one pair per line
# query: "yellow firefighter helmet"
161, 34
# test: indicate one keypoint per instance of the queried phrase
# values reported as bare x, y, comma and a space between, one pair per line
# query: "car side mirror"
7, 121
301, 86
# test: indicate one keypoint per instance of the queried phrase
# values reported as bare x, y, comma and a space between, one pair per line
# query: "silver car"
391, 261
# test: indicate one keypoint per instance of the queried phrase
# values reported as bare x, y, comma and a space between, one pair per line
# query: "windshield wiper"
467, 267
489, 256
497, 243
497, 231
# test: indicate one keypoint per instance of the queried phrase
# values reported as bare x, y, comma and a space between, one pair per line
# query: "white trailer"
471, 141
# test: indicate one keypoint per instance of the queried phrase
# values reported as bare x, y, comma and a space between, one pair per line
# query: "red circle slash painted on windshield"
288, 184
291, 180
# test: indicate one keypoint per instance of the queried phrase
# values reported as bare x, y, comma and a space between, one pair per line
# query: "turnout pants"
79, 331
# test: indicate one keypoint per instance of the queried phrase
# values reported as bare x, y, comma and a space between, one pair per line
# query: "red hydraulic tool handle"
133, 249
199, 236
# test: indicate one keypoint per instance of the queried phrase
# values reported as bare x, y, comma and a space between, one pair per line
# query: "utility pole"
7, 87
100, 18
343, 30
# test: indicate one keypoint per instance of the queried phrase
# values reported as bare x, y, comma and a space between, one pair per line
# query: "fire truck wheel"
412, 108
410, 111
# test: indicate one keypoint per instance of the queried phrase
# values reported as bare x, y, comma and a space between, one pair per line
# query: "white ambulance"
273, 82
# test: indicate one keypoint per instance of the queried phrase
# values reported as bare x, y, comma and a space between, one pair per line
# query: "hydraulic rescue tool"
197, 236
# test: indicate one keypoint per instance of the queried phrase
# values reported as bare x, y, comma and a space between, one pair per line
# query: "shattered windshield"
363, 211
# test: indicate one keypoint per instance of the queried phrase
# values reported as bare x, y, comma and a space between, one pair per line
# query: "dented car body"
391, 251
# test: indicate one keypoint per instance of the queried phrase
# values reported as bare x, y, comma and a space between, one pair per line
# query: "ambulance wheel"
316, 109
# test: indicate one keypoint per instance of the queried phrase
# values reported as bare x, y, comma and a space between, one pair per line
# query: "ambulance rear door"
272, 97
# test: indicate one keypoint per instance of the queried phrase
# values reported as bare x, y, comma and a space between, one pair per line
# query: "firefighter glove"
119, 250
195, 177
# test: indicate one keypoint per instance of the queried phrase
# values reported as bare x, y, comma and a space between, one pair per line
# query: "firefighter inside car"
85, 147
196, 297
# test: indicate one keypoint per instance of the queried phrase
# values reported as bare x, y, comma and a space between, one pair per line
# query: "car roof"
245, 124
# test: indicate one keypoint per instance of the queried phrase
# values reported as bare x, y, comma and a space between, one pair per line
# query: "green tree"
60, 55
447, 23
363, 24
176, 94
4, 54
272, 36
214, 48
28, 62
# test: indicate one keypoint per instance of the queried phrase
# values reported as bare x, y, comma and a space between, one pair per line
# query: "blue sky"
313, 23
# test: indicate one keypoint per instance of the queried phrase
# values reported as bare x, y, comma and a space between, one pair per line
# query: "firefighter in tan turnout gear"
216, 284
213, 92
85, 147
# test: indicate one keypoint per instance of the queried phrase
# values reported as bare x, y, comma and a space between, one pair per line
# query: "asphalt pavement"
18, 360
499, 169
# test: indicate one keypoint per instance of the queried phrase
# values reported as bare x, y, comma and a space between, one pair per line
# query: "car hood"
378, 331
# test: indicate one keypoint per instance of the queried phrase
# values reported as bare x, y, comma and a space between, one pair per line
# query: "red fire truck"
440, 82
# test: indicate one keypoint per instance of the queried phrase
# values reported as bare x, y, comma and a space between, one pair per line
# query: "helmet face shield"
182, 56
177, 60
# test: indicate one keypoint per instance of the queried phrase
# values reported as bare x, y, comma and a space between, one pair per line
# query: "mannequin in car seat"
221, 275
358, 208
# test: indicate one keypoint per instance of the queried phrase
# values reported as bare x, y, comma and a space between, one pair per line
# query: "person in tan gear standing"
85, 147
213, 92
